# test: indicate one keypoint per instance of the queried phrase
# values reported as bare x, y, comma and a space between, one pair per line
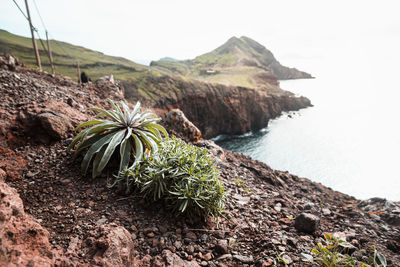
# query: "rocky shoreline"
52, 216
215, 108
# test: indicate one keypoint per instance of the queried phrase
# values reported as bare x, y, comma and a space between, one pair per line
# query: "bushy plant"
331, 254
134, 132
182, 175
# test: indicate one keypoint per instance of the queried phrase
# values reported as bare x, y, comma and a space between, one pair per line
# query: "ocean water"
350, 139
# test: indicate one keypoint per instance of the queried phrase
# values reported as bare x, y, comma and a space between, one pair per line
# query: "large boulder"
307, 223
177, 122
55, 124
52, 120
114, 247
10, 62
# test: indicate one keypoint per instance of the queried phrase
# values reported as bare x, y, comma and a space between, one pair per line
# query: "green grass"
65, 57
238, 62
147, 81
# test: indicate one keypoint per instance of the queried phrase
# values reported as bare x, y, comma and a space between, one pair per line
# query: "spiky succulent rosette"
133, 131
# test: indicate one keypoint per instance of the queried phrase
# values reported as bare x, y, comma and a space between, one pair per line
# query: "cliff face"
214, 108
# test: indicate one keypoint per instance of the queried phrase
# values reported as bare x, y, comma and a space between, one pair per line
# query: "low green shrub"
134, 132
182, 175
332, 254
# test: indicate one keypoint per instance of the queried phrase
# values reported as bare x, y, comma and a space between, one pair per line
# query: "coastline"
77, 221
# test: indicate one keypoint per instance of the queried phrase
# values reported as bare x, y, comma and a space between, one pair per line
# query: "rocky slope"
215, 108
65, 219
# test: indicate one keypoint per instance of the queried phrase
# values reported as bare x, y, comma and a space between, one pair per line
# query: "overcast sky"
148, 30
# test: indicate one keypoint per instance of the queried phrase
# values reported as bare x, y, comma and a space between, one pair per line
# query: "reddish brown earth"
51, 215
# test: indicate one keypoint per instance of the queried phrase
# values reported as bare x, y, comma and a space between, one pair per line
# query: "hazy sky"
147, 30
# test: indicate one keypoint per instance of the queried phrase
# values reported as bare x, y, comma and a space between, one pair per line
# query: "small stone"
151, 234
355, 243
306, 257
65, 181
204, 263
287, 259
278, 207
30, 174
267, 262
178, 244
241, 199
101, 222
207, 256
191, 235
244, 259
308, 206
307, 223
221, 247
225, 256
282, 248
204, 238
190, 249
326, 212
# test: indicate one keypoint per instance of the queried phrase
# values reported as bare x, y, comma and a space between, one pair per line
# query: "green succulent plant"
133, 131
333, 254
183, 176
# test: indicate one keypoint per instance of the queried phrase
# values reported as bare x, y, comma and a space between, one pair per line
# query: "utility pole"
79, 73
50, 55
33, 37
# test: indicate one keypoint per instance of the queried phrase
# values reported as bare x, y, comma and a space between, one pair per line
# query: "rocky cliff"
214, 108
56, 217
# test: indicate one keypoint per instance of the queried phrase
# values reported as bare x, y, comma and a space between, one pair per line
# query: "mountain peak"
243, 57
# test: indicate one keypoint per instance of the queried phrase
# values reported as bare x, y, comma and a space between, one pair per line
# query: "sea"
350, 139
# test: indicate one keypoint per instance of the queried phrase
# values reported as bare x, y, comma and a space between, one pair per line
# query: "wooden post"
33, 37
79, 73
50, 55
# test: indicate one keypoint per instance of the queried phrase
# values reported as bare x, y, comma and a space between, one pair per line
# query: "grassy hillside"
240, 61
65, 57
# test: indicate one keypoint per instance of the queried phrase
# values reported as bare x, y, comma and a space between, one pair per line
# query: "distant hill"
169, 59
65, 57
240, 61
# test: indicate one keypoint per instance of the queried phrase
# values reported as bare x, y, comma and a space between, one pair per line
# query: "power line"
45, 28
20, 10
41, 19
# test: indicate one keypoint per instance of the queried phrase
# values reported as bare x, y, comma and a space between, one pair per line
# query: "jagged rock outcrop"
235, 110
215, 108
180, 126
